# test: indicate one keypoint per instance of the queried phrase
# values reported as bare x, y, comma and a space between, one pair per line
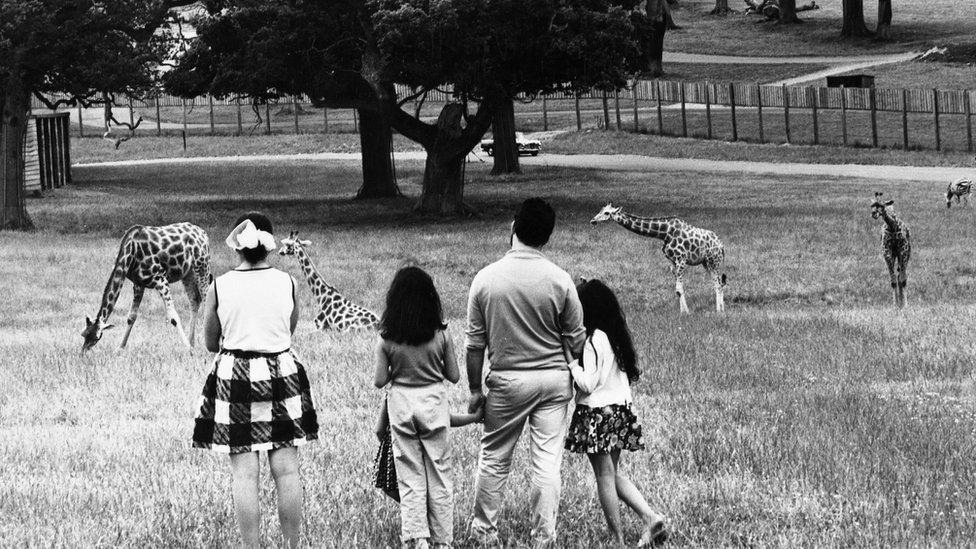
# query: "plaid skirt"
253, 402
604, 429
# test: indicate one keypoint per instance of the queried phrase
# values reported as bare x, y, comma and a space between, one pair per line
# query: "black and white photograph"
427, 274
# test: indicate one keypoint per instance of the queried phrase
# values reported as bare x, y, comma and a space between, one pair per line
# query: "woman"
257, 395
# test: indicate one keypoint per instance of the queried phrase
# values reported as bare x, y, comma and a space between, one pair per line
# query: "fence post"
684, 118
579, 119
183, 101
545, 114
660, 116
294, 109
762, 137
735, 127
874, 117
616, 107
968, 108
904, 117
606, 112
708, 108
633, 92
812, 94
325, 119
843, 113
159, 123
81, 126
935, 116
267, 117
240, 118
66, 128
355, 121
210, 104
786, 111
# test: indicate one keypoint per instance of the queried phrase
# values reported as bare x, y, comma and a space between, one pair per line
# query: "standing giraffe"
154, 257
684, 245
896, 241
335, 311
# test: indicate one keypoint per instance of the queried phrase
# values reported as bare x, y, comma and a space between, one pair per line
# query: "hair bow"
246, 235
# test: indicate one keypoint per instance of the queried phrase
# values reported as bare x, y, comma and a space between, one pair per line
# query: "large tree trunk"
721, 8
657, 26
787, 13
504, 148
853, 14
13, 128
376, 146
883, 31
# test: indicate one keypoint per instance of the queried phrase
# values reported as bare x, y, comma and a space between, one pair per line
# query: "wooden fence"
920, 117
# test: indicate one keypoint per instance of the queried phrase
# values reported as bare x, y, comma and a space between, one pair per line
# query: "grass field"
915, 25
810, 414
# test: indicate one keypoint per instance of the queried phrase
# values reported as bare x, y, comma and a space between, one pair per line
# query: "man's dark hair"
534, 221
261, 223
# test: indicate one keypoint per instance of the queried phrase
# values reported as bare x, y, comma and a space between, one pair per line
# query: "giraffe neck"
315, 281
891, 221
114, 285
654, 227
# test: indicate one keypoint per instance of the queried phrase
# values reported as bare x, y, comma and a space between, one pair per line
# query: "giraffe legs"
137, 293
679, 287
902, 282
193, 291
719, 285
893, 276
162, 286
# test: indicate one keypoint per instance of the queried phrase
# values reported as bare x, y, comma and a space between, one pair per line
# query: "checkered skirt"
253, 402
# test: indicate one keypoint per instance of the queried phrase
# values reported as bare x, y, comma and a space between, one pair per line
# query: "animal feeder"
851, 81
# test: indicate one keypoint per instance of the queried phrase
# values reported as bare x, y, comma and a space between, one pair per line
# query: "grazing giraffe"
152, 258
335, 311
684, 245
896, 241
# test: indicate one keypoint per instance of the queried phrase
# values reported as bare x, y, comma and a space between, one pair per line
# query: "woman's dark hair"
413, 309
261, 223
601, 311
534, 221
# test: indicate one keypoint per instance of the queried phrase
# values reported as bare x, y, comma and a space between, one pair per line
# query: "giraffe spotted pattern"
684, 245
153, 258
335, 311
897, 245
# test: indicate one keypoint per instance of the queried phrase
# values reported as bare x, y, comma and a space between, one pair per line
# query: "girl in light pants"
415, 356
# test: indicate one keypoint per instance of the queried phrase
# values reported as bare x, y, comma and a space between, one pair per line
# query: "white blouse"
600, 380
254, 308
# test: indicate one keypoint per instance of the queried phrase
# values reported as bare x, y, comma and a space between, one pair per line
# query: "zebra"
960, 188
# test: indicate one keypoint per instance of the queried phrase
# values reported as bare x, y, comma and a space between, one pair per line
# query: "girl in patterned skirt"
604, 423
257, 396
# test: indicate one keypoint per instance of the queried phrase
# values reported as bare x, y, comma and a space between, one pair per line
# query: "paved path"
701, 58
621, 162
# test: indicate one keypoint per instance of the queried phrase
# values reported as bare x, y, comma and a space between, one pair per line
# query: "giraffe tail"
724, 279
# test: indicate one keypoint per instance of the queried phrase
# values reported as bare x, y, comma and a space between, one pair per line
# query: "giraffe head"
606, 214
879, 205
93, 332
290, 245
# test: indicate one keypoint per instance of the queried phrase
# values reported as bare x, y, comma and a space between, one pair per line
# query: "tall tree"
653, 25
787, 13
883, 31
721, 8
853, 17
83, 48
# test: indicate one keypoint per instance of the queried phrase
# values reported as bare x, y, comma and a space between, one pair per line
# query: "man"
520, 309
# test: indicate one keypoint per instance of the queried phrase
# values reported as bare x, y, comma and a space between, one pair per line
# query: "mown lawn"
809, 414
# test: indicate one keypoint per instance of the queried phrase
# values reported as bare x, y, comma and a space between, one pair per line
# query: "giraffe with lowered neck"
897, 245
152, 258
684, 245
335, 311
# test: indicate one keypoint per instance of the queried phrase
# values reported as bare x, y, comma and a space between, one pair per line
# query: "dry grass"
811, 414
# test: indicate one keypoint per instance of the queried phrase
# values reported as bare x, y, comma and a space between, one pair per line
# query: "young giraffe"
154, 257
896, 241
684, 245
335, 311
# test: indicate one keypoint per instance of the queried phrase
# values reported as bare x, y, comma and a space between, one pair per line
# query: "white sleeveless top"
254, 308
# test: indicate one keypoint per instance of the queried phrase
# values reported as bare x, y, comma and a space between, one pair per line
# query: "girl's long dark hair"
601, 311
413, 309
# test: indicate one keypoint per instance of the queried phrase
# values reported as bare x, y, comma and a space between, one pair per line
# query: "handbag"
386, 477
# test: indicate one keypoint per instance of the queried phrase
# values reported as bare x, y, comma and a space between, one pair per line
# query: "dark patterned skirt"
604, 429
253, 402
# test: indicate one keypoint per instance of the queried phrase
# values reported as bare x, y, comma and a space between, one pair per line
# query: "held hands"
476, 402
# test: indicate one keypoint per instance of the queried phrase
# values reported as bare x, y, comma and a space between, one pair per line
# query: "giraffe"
335, 311
896, 241
152, 258
684, 245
